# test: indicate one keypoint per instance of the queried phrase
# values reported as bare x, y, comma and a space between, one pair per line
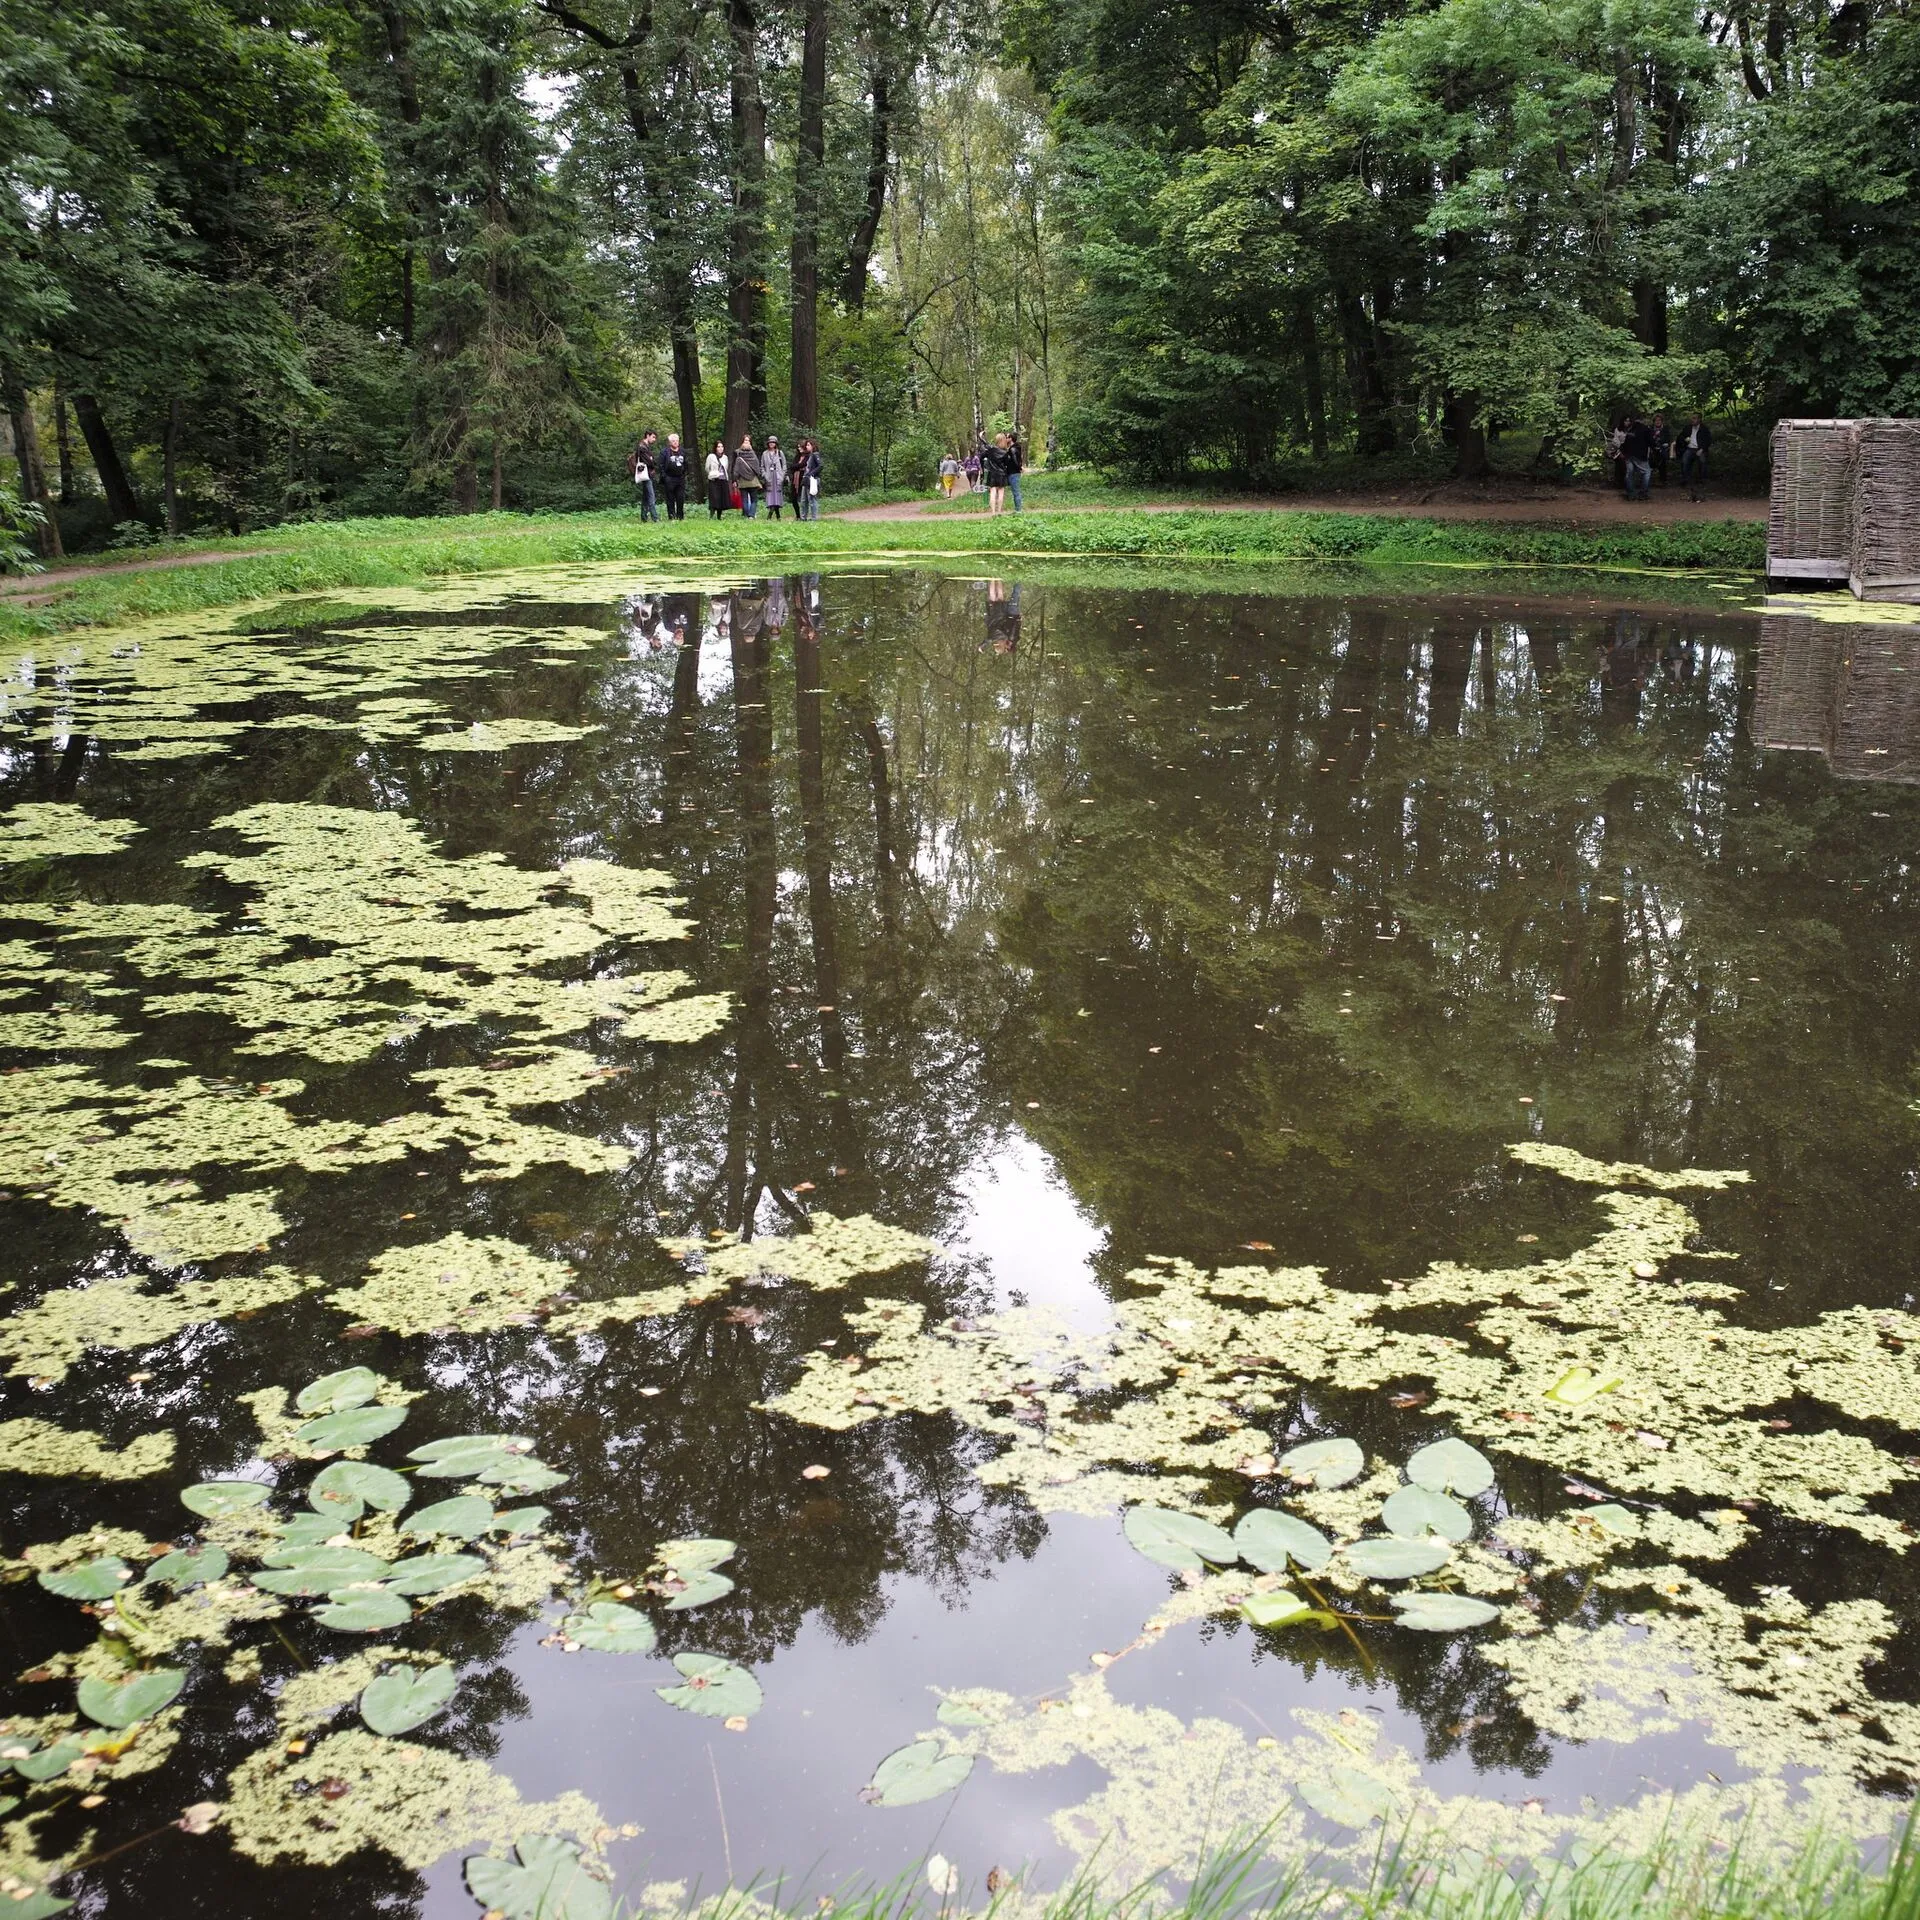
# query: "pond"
762, 1228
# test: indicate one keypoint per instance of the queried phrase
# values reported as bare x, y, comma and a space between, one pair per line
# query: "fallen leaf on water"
1406, 1402
745, 1316
995, 1879
1257, 1466
1654, 1441
201, 1817
735, 1723
814, 1473
803, 1186
1256, 1246
1104, 1660
1528, 1239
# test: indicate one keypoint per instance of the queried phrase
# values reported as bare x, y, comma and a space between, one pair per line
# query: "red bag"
736, 499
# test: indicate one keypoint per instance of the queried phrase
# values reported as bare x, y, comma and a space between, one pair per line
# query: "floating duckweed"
416, 1803
39, 1447
455, 1282
494, 736
829, 1254
1622, 1173
52, 830
44, 1340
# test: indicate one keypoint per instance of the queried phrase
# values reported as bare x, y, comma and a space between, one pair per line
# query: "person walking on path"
773, 464
993, 471
1695, 439
949, 474
673, 477
970, 466
719, 486
1637, 448
1016, 465
749, 479
642, 463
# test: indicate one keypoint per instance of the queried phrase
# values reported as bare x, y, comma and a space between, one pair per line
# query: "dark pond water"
1068, 924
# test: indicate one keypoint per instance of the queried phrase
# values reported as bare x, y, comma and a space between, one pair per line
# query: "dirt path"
32, 584
1669, 506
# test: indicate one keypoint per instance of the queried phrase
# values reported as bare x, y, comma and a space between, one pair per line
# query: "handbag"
736, 499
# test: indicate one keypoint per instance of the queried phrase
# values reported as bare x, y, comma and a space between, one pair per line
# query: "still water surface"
1066, 924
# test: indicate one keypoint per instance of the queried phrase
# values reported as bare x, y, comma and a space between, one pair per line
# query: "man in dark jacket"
1637, 448
1695, 438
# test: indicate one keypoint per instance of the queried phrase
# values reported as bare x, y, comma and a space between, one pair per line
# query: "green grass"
1824, 1880
321, 557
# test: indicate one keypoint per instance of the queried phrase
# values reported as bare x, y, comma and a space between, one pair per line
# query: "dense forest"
340, 257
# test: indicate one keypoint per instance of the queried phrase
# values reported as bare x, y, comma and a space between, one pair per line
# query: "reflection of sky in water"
1021, 1218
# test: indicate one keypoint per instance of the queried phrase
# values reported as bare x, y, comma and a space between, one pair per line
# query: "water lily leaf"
215, 1499
923, 1771
1326, 1463
353, 1428
1451, 1466
519, 1473
464, 1517
1578, 1385
1348, 1797
715, 1687
308, 1571
1397, 1559
1443, 1612
49, 1763
1273, 1609
1611, 1517
336, 1392
348, 1487
956, 1713
307, 1530
119, 1703
694, 1556
1179, 1540
700, 1588
97, 1579
456, 1457
406, 1697
547, 1880
514, 1521
185, 1569
38, 1905
608, 1627
1414, 1511
431, 1572
1268, 1540
364, 1610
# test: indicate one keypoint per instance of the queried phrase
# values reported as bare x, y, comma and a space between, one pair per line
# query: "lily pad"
307, 1530
1273, 1609
1326, 1463
956, 1713
546, 1880
464, 1517
519, 1473
714, 1687
1578, 1385
336, 1392
432, 1572
460, 1455
48, 1763
356, 1427
307, 1571
1182, 1541
1348, 1797
1451, 1466
514, 1521
699, 1589
188, 1569
923, 1771
97, 1579
215, 1499
348, 1487
364, 1610
1443, 1612
1390, 1559
406, 1697
1611, 1517
694, 1556
120, 1703
1414, 1511
1268, 1540
608, 1627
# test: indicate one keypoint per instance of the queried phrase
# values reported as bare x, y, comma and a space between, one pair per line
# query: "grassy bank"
378, 553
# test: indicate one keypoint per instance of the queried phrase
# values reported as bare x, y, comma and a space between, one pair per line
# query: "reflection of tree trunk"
1447, 687
753, 1040
809, 695
886, 875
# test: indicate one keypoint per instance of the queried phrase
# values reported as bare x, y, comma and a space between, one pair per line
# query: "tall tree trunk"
809, 163
853, 282
170, 465
1309, 339
63, 442
33, 473
1373, 423
1468, 436
406, 296
122, 502
686, 386
498, 476
746, 273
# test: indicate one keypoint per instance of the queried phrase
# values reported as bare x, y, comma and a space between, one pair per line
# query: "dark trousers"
676, 492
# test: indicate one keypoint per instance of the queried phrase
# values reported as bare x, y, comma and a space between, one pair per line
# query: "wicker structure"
1807, 515
1847, 691
1883, 510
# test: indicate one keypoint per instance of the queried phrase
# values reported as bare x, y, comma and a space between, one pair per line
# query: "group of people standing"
990, 466
741, 480
1637, 449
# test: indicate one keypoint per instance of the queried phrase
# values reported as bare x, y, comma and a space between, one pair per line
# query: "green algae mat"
660, 1231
